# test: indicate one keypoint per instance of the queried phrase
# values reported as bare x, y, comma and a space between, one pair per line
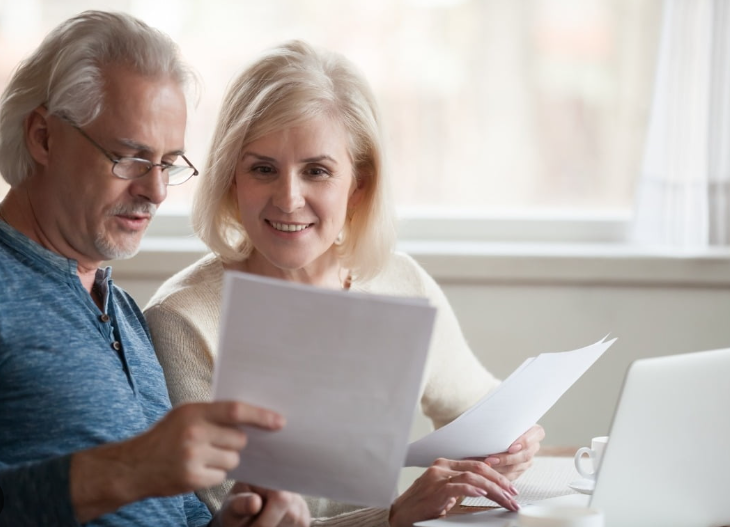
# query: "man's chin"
116, 251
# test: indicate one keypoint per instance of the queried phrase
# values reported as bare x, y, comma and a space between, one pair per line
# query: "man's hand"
248, 506
191, 448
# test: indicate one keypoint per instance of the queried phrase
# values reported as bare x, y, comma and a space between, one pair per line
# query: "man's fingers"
227, 438
225, 460
244, 504
274, 510
238, 413
239, 487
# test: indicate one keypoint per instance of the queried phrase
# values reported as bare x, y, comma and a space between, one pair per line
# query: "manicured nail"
482, 492
514, 490
512, 504
492, 460
515, 448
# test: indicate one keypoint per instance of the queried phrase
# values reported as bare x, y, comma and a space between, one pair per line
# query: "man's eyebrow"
139, 147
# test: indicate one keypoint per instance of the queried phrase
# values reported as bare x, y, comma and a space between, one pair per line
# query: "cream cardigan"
183, 318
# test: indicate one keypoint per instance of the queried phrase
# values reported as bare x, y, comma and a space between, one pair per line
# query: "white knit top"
183, 317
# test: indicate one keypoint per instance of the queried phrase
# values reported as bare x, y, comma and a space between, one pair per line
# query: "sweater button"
104, 318
116, 345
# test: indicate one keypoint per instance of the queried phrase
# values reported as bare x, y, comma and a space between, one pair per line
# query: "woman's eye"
318, 172
262, 170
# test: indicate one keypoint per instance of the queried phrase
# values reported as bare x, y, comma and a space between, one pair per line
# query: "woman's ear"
359, 188
37, 135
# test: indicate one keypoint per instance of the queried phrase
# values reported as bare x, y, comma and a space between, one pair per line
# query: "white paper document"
492, 424
345, 371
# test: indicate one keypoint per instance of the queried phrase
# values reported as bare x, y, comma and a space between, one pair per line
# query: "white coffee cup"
594, 453
559, 516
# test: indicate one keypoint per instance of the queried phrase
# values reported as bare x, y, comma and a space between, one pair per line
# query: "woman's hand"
438, 488
519, 455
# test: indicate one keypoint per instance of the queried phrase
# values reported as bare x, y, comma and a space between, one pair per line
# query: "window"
489, 106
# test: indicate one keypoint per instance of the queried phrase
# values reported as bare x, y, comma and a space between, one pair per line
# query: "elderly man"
91, 134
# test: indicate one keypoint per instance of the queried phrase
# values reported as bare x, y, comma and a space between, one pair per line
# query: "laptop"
667, 462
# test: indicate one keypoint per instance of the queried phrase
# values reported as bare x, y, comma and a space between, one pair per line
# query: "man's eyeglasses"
135, 167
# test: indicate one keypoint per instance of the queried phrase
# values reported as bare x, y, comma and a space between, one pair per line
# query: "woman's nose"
289, 194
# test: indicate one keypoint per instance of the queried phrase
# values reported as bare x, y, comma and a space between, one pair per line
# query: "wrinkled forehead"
149, 110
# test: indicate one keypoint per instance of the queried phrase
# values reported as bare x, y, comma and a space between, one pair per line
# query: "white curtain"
683, 195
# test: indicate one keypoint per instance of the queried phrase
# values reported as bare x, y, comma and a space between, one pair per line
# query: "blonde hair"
65, 75
287, 86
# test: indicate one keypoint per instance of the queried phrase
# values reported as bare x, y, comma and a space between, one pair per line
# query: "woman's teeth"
288, 227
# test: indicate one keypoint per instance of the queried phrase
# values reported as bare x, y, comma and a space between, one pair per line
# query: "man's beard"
109, 247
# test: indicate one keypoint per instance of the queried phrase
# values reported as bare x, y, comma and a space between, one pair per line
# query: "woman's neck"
328, 274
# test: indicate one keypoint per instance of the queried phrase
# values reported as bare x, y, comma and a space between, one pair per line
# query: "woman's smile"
289, 227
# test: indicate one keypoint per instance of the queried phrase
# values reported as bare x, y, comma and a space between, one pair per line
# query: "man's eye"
137, 167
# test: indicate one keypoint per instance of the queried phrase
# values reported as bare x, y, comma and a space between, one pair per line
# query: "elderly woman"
295, 188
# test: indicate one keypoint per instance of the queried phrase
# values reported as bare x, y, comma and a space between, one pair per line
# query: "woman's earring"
340, 237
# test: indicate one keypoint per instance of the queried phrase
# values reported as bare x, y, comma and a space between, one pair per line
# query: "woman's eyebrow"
316, 159
257, 156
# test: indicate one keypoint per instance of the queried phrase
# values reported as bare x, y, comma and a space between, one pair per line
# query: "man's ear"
37, 134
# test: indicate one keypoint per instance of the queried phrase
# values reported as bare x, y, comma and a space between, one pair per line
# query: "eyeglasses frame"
115, 161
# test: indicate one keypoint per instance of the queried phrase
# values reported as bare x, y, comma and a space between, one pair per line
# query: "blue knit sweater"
71, 377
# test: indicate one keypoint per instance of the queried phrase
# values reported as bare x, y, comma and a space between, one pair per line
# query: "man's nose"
152, 186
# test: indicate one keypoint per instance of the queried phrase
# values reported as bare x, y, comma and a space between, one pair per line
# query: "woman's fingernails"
511, 503
492, 460
514, 490
515, 448
482, 492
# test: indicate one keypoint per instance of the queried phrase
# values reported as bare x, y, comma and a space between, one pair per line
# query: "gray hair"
287, 86
65, 75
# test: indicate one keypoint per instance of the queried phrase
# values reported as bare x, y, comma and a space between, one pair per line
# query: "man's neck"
17, 211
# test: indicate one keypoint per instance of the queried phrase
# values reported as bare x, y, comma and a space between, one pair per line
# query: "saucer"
584, 486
